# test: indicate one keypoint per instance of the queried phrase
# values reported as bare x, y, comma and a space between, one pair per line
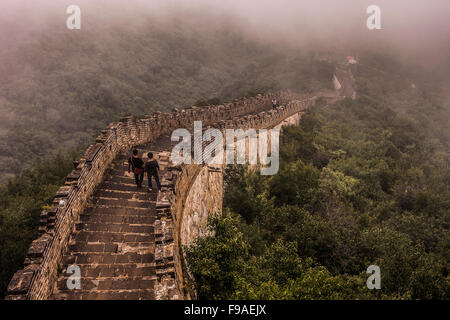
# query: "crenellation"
190, 192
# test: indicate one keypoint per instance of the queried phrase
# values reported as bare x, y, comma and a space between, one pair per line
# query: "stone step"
122, 248
104, 284
124, 219
143, 196
108, 258
126, 180
121, 211
127, 184
116, 228
122, 203
119, 186
120, 172
119, 270
147, 294
93, 247
111, 237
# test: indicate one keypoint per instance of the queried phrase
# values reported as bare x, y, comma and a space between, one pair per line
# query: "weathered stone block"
38, 246
196, 193
20, 282
63, 192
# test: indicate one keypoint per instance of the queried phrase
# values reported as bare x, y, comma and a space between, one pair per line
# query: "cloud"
412, 27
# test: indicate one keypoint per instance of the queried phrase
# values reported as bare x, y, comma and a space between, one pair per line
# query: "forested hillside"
21, 202
360, 183
59, 88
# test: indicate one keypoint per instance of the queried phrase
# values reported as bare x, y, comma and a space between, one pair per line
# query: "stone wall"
36, 280
182, 213
196, 193
291, 121
204, 198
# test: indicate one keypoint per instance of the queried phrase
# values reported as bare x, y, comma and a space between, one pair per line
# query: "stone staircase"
126, 240
115, 240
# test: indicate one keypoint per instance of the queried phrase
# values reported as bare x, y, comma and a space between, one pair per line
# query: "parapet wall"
44, 257
196, 193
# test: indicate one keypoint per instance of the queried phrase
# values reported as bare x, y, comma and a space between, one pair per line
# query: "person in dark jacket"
136, 163
152, 168
274, 103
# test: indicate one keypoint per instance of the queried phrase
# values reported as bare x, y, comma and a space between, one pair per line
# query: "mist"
413, 29
60, 86
363, 177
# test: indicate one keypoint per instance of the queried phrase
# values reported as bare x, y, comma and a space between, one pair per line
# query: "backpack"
136, 170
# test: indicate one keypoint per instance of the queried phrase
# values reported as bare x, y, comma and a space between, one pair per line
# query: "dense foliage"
60, 88
23, 198
361, 182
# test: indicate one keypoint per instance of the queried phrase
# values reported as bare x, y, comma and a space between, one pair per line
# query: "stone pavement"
114, 242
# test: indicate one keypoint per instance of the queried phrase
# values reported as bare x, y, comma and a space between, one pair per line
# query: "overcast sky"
416, 27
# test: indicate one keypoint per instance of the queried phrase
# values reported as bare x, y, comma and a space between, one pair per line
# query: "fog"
59, 87
368, 172
413, 28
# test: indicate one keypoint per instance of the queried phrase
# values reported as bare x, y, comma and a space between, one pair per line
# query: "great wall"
128, 242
